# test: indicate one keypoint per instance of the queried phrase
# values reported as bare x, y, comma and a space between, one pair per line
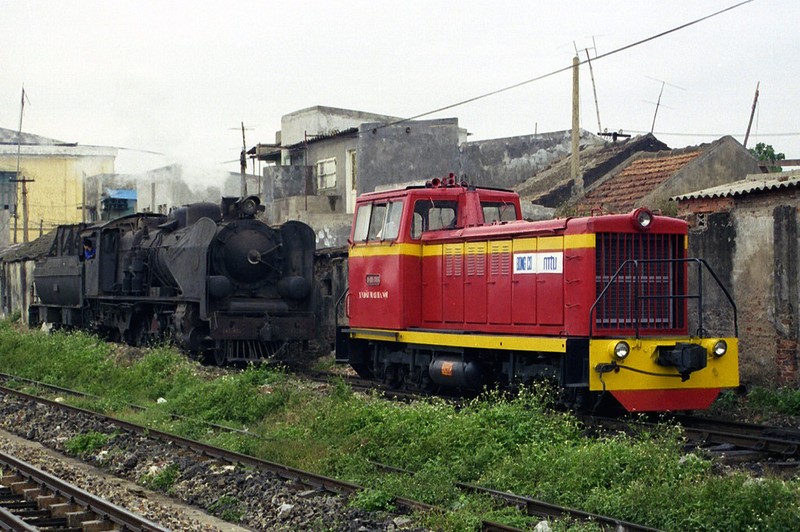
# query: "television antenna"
658, 103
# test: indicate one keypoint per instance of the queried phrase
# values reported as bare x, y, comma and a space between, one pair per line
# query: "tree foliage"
765, 152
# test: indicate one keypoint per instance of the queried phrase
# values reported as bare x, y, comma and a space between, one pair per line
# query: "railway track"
301, 480
727, 438
534, 507
313, 481
743, 441
31, 500
701, 432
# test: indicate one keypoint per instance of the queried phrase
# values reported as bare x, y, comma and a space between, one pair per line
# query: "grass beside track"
507, 443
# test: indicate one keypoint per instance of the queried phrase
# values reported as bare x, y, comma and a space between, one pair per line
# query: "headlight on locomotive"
620, 350
249, 206
720, 348
642, 219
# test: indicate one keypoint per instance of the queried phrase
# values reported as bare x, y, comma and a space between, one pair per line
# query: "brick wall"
752, 243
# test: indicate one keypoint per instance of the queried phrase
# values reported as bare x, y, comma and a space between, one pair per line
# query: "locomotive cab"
392, 235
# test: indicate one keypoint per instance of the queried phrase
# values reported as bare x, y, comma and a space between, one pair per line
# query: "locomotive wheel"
137, 332
220, 357
363, 371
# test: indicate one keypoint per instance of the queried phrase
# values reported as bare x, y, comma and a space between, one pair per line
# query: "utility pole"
752, 113
575, 159
21, 179
243, 165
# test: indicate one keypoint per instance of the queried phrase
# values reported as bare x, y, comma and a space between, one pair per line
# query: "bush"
783, 400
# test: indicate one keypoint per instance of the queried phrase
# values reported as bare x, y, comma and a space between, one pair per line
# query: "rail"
96, 507
535, 507
636, 279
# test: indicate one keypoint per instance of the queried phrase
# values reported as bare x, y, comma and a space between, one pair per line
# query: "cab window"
430, 215
498, 212
362, 222
378, 221
392, 227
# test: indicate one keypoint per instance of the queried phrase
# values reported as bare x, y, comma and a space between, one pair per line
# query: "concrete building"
16, 274
509, 162
55, 174
324, 157
117, 202
96, 188
748, 232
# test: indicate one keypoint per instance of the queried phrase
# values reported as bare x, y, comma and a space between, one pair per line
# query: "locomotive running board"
459, 339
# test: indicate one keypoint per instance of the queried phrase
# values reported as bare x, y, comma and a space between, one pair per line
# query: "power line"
713, 134
566, 68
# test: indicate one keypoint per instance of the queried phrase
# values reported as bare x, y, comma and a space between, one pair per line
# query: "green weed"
373, 500
161, 480
228, 508
87, 443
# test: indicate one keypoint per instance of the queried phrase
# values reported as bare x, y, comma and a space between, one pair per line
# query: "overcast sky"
179, 77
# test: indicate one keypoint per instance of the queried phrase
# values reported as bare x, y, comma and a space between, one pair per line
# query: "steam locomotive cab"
449, 288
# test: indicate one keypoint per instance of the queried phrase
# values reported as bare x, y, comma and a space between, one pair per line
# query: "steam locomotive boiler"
221, 284
449, 287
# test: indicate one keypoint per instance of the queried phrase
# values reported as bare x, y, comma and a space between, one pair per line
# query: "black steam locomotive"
221, 284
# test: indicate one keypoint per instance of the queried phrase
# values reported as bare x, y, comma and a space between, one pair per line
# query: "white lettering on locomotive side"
543, 262
372, 294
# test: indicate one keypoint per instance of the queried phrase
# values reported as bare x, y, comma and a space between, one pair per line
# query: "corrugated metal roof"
121, 193
752, 183
29, 250
9, 136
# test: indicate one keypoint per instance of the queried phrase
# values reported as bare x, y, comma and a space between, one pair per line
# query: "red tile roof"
624, 191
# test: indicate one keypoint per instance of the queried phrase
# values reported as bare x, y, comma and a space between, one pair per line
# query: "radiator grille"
644, 296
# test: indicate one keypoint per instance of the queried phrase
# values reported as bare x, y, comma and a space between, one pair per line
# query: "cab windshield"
378, 221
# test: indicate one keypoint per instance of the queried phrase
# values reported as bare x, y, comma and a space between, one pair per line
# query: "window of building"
326, 173
8, 191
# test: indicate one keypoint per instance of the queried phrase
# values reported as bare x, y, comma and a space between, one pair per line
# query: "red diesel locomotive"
449, 287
